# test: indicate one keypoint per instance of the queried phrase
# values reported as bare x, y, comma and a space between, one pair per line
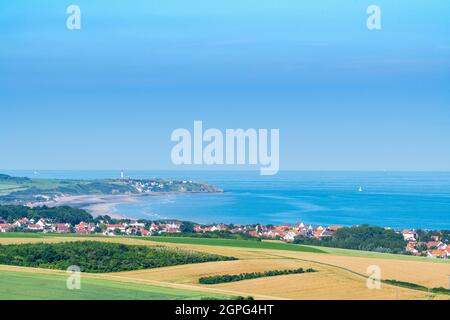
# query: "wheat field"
337, 277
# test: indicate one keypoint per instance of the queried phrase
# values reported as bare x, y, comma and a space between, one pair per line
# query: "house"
254, 233
271, 234
138, 231
437, 253
409, 235
219, 227
327, 233
35, 227
300, 226
61, 228
85, 228
334, 228
137, 225
198, 229
411, 247
21, 223
318, 232
5, 227
215, 228
112, 227
290, 236
172, 228
280, 229
237, 230
42, 223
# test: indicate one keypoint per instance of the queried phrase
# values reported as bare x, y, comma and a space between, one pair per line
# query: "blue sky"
109, 96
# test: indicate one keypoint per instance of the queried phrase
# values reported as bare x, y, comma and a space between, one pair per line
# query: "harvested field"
338, 276
191, 274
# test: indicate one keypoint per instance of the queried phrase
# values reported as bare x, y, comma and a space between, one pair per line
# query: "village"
436, 247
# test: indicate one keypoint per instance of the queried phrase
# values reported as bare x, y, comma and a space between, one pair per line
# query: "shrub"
247, 276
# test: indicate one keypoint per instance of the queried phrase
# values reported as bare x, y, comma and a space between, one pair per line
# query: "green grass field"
372, 254
12, 235
6, 189
236, 243
185, 240
24, 284
245, 244
30, 286
39, 235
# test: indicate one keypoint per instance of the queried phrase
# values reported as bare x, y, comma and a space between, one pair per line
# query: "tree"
62, 214
361, 238
421, 247
98, 229
187, 227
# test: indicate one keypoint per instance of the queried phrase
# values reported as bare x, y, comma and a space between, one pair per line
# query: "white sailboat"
360, 189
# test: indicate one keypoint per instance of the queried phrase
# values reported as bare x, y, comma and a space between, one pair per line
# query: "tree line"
247, 276
63, 214
99, 257
363, 237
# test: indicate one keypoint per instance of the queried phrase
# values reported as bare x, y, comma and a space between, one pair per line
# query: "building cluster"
284, 232
143, 186
158, 185
31, 225
85, 228
435, 248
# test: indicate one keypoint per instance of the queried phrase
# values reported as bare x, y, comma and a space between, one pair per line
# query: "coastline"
100, 205
397, 200
96, 205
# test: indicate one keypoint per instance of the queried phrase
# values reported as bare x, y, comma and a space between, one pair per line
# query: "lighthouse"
122, 175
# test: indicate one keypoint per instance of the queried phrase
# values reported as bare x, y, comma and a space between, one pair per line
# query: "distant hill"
5, 177
17, 190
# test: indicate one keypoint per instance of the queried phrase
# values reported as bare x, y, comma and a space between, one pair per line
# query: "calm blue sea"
394, 199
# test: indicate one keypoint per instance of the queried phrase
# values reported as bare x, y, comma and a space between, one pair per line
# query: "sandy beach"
97, 205
100, 205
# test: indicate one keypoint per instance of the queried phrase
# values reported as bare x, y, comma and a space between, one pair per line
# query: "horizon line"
235, 170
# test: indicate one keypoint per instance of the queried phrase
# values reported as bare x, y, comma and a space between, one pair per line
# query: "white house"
42, 223
4, 227
35, 227
136, 224
409, 235
290, 236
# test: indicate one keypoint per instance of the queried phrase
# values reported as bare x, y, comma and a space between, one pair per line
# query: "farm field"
341, 274
373, 254
32, 285
237, 243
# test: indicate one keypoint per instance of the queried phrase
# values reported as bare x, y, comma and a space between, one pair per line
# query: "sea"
387, 199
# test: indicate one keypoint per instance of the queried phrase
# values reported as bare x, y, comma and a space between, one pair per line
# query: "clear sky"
109, 95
